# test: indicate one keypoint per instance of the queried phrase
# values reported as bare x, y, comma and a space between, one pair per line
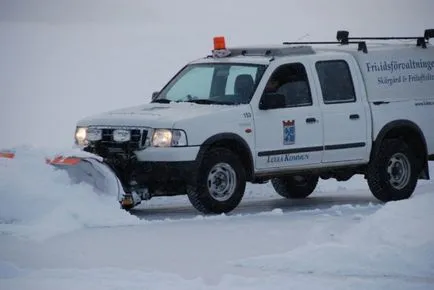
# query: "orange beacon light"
219, 43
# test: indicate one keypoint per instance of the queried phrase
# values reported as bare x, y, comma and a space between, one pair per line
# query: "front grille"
107, 144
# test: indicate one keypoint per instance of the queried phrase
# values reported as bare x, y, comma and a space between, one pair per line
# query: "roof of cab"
263, 54
344, 44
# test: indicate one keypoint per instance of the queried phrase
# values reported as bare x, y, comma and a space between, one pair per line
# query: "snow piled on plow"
38, 201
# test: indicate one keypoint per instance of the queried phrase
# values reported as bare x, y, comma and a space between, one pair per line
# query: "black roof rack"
361, 44
270, 51
343, 38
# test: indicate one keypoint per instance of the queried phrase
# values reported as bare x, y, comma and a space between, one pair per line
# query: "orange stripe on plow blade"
60, 160
9, 155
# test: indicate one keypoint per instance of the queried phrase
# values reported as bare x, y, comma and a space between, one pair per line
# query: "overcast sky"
63, 60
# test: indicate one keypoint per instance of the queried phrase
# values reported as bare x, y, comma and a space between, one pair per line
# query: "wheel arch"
410, 133
234, 143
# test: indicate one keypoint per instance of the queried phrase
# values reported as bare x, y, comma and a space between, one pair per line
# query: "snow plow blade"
89, 169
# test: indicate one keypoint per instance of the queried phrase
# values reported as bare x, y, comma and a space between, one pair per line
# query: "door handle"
354, 116
310, 120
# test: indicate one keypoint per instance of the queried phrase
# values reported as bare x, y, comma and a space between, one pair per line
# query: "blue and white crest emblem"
288, 132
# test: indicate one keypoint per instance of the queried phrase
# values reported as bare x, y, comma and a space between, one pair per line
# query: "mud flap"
90, 169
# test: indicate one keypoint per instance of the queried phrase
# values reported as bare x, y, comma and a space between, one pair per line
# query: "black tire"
393, 173
295, 187
229, 166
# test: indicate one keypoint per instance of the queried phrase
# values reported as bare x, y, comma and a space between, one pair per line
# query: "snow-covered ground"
58, 235
62, 61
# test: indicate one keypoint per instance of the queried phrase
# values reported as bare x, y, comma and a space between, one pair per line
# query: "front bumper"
164, 172
160, 171
170, 154
155, 179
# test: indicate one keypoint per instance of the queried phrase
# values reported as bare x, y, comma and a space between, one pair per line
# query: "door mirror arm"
155, 95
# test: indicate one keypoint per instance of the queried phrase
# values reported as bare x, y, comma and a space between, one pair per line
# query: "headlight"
83, 135
80, 136
168, 138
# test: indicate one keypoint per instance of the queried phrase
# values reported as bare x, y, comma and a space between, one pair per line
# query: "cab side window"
290, 80
336, 81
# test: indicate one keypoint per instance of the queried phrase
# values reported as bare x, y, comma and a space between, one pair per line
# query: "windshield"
213, 83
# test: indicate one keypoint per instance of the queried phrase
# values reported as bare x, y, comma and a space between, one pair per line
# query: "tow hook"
127, 202
130, 200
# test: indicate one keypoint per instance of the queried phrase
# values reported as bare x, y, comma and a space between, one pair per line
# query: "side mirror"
155, 95
272, 101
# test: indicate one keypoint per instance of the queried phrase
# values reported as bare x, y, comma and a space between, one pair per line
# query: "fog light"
94, 134
121, 135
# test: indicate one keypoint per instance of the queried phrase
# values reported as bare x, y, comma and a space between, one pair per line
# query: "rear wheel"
220, 184
393, 172
295, 186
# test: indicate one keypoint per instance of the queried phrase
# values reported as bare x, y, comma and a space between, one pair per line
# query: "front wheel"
393, 172
295, 186
220, 182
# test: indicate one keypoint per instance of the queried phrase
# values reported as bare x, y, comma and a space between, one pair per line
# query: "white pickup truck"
289, 114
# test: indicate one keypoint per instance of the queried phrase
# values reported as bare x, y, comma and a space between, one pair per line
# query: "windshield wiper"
161, 101
208, 102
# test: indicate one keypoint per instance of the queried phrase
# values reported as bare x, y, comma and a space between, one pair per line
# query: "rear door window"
336, 81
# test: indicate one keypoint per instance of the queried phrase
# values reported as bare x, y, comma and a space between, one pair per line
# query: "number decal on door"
247, 115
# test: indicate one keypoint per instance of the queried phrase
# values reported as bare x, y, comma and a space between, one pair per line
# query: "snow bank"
117, 278
9, 270
39, 201
397, 240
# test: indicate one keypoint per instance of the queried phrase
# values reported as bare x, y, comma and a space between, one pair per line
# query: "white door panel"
288, 138
343, 110
292, 135
344, 132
